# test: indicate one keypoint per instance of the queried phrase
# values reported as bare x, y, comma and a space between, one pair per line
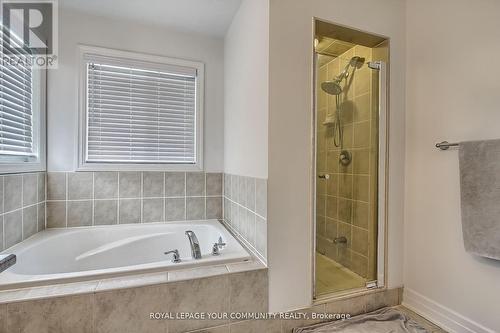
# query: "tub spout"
195, 245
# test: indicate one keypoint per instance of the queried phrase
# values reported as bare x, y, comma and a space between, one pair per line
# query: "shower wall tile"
22, 206
331, 208
362, 108
105, 198
361, 137
321, 225
330, 228
361, 161
245, 210
360, 241
360, 214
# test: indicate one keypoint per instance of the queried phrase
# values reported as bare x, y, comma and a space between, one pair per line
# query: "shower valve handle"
324, 176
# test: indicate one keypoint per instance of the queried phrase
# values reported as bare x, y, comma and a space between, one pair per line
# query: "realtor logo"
29, 31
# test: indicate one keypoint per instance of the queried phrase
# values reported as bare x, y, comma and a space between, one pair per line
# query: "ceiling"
329, 49
332, 46
208, 17
325, 29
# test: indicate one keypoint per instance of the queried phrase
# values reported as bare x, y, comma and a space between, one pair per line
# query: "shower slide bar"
445, 145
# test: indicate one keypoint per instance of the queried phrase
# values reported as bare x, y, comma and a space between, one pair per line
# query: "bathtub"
87, 253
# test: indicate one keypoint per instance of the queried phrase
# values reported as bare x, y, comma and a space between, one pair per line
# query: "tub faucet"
195, 246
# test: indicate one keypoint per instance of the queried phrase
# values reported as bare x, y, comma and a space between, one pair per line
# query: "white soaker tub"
86, 253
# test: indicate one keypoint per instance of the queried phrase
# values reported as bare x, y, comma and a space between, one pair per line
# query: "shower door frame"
382, 195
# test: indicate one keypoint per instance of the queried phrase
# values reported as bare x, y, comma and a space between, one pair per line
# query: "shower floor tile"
332, 277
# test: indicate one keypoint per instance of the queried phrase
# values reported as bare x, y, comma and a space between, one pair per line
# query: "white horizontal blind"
139, 113
16, 104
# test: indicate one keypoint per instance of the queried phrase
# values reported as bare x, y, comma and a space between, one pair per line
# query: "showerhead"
356, 62
333, 87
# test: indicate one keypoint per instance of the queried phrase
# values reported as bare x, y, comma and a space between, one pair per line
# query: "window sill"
8, 168
139, 167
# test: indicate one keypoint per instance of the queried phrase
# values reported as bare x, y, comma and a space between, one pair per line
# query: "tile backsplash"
245, 210
22, 207
101, 198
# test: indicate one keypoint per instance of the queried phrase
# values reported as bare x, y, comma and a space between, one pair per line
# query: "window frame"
136, 58
38, 163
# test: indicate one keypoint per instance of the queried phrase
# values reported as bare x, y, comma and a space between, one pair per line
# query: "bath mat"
381, 321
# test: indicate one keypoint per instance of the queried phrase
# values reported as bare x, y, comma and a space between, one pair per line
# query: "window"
22, 130
139, 112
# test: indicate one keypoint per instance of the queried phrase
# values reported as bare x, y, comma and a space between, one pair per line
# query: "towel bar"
445, 145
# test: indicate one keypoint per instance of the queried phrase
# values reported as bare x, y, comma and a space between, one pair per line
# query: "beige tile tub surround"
77, 199
245, 210
125, 308
124, 305
22, 207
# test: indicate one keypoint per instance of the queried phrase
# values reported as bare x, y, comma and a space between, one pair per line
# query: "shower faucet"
195, 245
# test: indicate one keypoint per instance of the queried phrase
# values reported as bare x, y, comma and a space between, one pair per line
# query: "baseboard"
440, 315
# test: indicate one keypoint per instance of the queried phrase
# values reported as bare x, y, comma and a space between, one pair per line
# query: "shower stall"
350, 154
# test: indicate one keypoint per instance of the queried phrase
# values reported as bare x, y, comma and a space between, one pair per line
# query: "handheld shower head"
356, 62
333, 87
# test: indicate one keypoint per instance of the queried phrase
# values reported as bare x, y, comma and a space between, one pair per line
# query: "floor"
332, 277
387, 320
430, 327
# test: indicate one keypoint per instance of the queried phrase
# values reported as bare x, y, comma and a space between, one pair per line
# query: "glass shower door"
348, 171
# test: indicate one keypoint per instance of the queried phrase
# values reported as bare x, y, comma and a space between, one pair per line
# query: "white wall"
290, 136
453, 84
246, 95
76, 27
